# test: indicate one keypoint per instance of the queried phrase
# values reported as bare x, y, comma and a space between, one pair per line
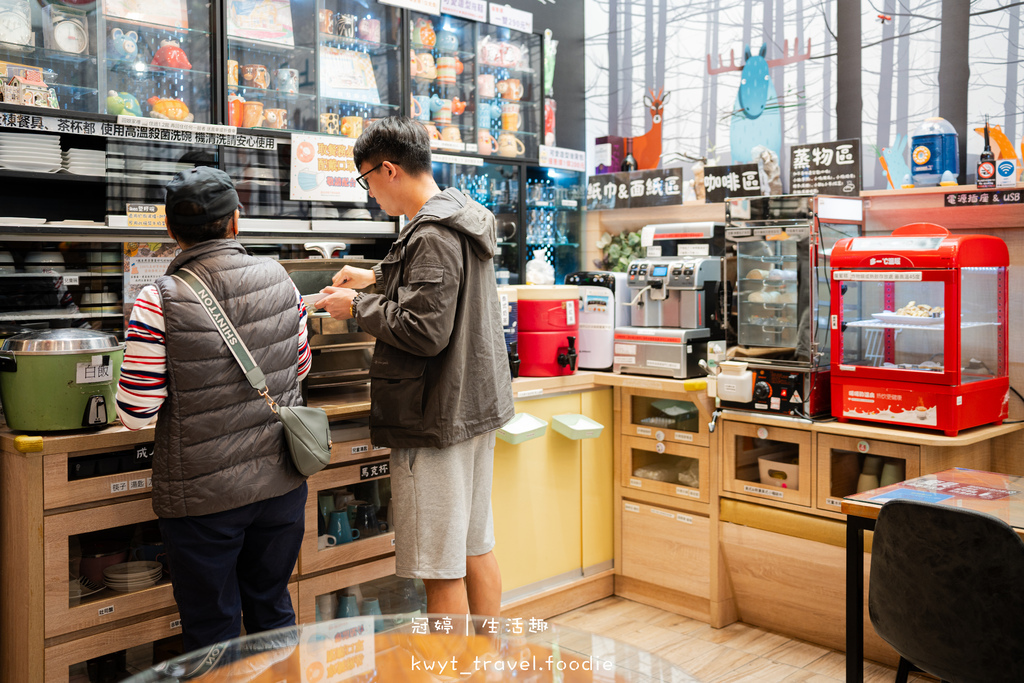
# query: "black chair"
947, 592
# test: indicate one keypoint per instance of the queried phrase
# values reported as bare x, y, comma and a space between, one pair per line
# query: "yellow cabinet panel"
598, 477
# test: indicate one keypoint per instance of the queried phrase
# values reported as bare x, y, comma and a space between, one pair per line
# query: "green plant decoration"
619, 250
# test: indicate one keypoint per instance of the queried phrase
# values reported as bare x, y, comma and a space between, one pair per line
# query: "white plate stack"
132, 576
30, 152
85, 161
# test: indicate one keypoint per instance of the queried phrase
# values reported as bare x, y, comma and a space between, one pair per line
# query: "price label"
509, 17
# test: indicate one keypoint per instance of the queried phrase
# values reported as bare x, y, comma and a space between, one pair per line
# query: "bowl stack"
132, 576
85, 161
30, 152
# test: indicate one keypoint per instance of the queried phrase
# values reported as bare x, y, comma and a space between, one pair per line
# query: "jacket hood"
455, 210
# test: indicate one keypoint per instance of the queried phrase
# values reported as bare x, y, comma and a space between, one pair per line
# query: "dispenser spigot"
513, 359
567, 355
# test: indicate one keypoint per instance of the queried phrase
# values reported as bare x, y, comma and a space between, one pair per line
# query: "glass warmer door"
901, 325
769, 306
509, 86
271, 67
156, 59
496, 186
358, 67
554, 218
982, 324
441, 67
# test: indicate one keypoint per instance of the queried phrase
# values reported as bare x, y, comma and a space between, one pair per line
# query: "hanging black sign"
738, 180
660, 187
825, 168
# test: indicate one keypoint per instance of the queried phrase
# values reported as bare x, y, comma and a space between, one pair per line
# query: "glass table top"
396, 649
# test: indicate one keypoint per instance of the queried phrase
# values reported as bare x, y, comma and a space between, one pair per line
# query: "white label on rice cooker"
625, 360
630, 507
663, 364
504, 310
663, 513
636, 482
570, 312
625, 349
94, 371
685, 519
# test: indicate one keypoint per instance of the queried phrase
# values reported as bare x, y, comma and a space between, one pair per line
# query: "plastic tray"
522, 427
576, 426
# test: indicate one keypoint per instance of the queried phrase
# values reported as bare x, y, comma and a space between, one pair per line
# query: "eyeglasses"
362, 181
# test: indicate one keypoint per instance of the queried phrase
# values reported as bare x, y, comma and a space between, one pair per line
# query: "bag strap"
228, 333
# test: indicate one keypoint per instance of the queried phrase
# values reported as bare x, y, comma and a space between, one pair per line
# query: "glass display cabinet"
508, 88
441, 68
554, 221
925, 344
497, 187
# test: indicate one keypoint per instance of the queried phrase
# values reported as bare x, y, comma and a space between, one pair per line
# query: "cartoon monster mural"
755, 119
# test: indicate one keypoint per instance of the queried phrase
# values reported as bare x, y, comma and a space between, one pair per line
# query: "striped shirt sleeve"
143, 385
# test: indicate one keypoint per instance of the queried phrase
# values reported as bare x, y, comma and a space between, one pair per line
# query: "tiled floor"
736, 653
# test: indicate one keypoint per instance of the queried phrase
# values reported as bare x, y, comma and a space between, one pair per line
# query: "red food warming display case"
919, 325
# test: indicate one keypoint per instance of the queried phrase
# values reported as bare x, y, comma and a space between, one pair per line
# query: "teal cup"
347, 607
338, 527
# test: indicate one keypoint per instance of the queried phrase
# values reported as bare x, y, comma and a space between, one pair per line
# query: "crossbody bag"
307, 430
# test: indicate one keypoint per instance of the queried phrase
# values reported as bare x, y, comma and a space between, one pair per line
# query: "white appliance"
604, 305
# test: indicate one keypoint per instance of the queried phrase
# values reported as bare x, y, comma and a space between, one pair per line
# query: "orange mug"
451, 134
510, 117
510, 89
255, 76
232, 72
236, 105
276, 118
432, 131
352, 126
252, 114
485, 142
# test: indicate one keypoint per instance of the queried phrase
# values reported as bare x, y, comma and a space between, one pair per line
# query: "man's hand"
338, 302
356, 278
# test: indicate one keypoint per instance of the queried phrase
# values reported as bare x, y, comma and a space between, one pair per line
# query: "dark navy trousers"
233, 567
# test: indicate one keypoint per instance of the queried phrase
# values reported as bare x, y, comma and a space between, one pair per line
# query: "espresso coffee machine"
675, 302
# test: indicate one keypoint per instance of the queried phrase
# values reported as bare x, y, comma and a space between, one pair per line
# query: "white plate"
30, 158
15, 220
77, 590
117, 571
25, 166
311, 299
896, 319
29, 147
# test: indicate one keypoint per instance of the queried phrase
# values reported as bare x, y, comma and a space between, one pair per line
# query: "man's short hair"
200, 203
397, 139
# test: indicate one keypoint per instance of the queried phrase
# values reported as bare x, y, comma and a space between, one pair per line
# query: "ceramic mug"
425, 66
276, 118
510, 89
485, 142
432, 131
232, 72
451, 134
330, 123
325, 541
326, 21
352, 126
287, 80
338, 528
441, 110
252, 114
369, 30
510, 146
485, 85
236, 106
510, 118
345, 25
421, 107
446, 69
255, 76
486, 113
347, 607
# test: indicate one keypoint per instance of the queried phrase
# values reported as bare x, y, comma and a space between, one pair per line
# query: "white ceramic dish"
26, 166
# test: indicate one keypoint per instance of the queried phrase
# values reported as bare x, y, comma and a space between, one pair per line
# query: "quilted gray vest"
218, 445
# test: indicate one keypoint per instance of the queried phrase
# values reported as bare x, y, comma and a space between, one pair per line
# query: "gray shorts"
442, 501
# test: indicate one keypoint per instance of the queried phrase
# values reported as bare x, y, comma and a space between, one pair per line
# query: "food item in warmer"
756, 274
917, 310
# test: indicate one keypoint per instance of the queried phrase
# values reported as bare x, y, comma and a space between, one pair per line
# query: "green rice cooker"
53, 380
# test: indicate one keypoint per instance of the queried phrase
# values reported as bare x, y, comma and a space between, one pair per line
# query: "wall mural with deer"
783, 91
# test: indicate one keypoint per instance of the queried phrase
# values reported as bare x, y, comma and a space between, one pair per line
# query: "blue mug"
486, 113
422, 107
347, 607
339, 528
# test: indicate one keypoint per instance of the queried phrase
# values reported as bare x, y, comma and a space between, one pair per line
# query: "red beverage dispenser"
548, 330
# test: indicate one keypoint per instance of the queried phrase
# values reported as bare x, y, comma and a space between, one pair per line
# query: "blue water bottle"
933, 151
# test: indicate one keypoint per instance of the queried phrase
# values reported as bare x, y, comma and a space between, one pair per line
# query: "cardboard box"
609, 159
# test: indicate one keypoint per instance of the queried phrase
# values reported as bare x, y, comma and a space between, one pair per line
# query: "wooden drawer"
311, 559
666, 548
354, 451
673, 418
60, 490
666, 458
310, 588
841, 458
743, 445
107, 606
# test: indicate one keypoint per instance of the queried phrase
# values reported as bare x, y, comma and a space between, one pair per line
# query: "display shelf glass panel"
442, 65
401, 599
359, 64
114, 562
271, 71
554, 218
120, 664
140, 173
769, 308
980, 322
665, 467
157, 54
496, 186
854, 472
664, 414
768, 462
509, 84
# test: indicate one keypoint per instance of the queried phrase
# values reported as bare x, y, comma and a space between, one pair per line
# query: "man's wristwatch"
352, 307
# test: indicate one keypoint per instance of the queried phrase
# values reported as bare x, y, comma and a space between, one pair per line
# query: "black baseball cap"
207, 187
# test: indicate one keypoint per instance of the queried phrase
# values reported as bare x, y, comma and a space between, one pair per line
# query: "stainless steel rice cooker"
61, 379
